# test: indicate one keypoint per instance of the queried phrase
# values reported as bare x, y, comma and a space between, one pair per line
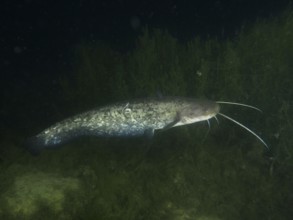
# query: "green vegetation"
32, 190
184, 175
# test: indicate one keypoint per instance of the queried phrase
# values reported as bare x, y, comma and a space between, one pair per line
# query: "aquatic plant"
31, 192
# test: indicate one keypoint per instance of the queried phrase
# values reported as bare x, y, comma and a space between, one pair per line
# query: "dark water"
55, 68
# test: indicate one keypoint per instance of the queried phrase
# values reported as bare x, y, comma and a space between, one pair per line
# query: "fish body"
125, 119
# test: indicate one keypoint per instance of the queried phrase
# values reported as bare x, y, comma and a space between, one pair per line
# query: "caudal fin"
34, 145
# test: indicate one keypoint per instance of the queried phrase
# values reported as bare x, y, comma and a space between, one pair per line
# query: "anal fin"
149, 133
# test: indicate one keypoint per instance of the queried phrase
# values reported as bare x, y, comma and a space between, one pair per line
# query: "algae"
29, 190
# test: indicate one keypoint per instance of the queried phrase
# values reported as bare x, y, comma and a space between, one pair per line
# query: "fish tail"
37, 143
34, 145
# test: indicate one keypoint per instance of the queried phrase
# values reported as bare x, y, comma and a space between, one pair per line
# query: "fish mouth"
211, 112
216, 110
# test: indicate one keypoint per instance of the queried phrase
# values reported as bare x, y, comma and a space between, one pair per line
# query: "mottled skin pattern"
130, 118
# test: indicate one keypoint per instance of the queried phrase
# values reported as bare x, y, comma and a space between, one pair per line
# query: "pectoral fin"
173, 123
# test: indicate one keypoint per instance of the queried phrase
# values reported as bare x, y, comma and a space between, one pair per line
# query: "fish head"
198, 110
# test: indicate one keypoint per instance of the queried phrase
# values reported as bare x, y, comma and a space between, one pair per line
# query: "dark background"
37, 38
